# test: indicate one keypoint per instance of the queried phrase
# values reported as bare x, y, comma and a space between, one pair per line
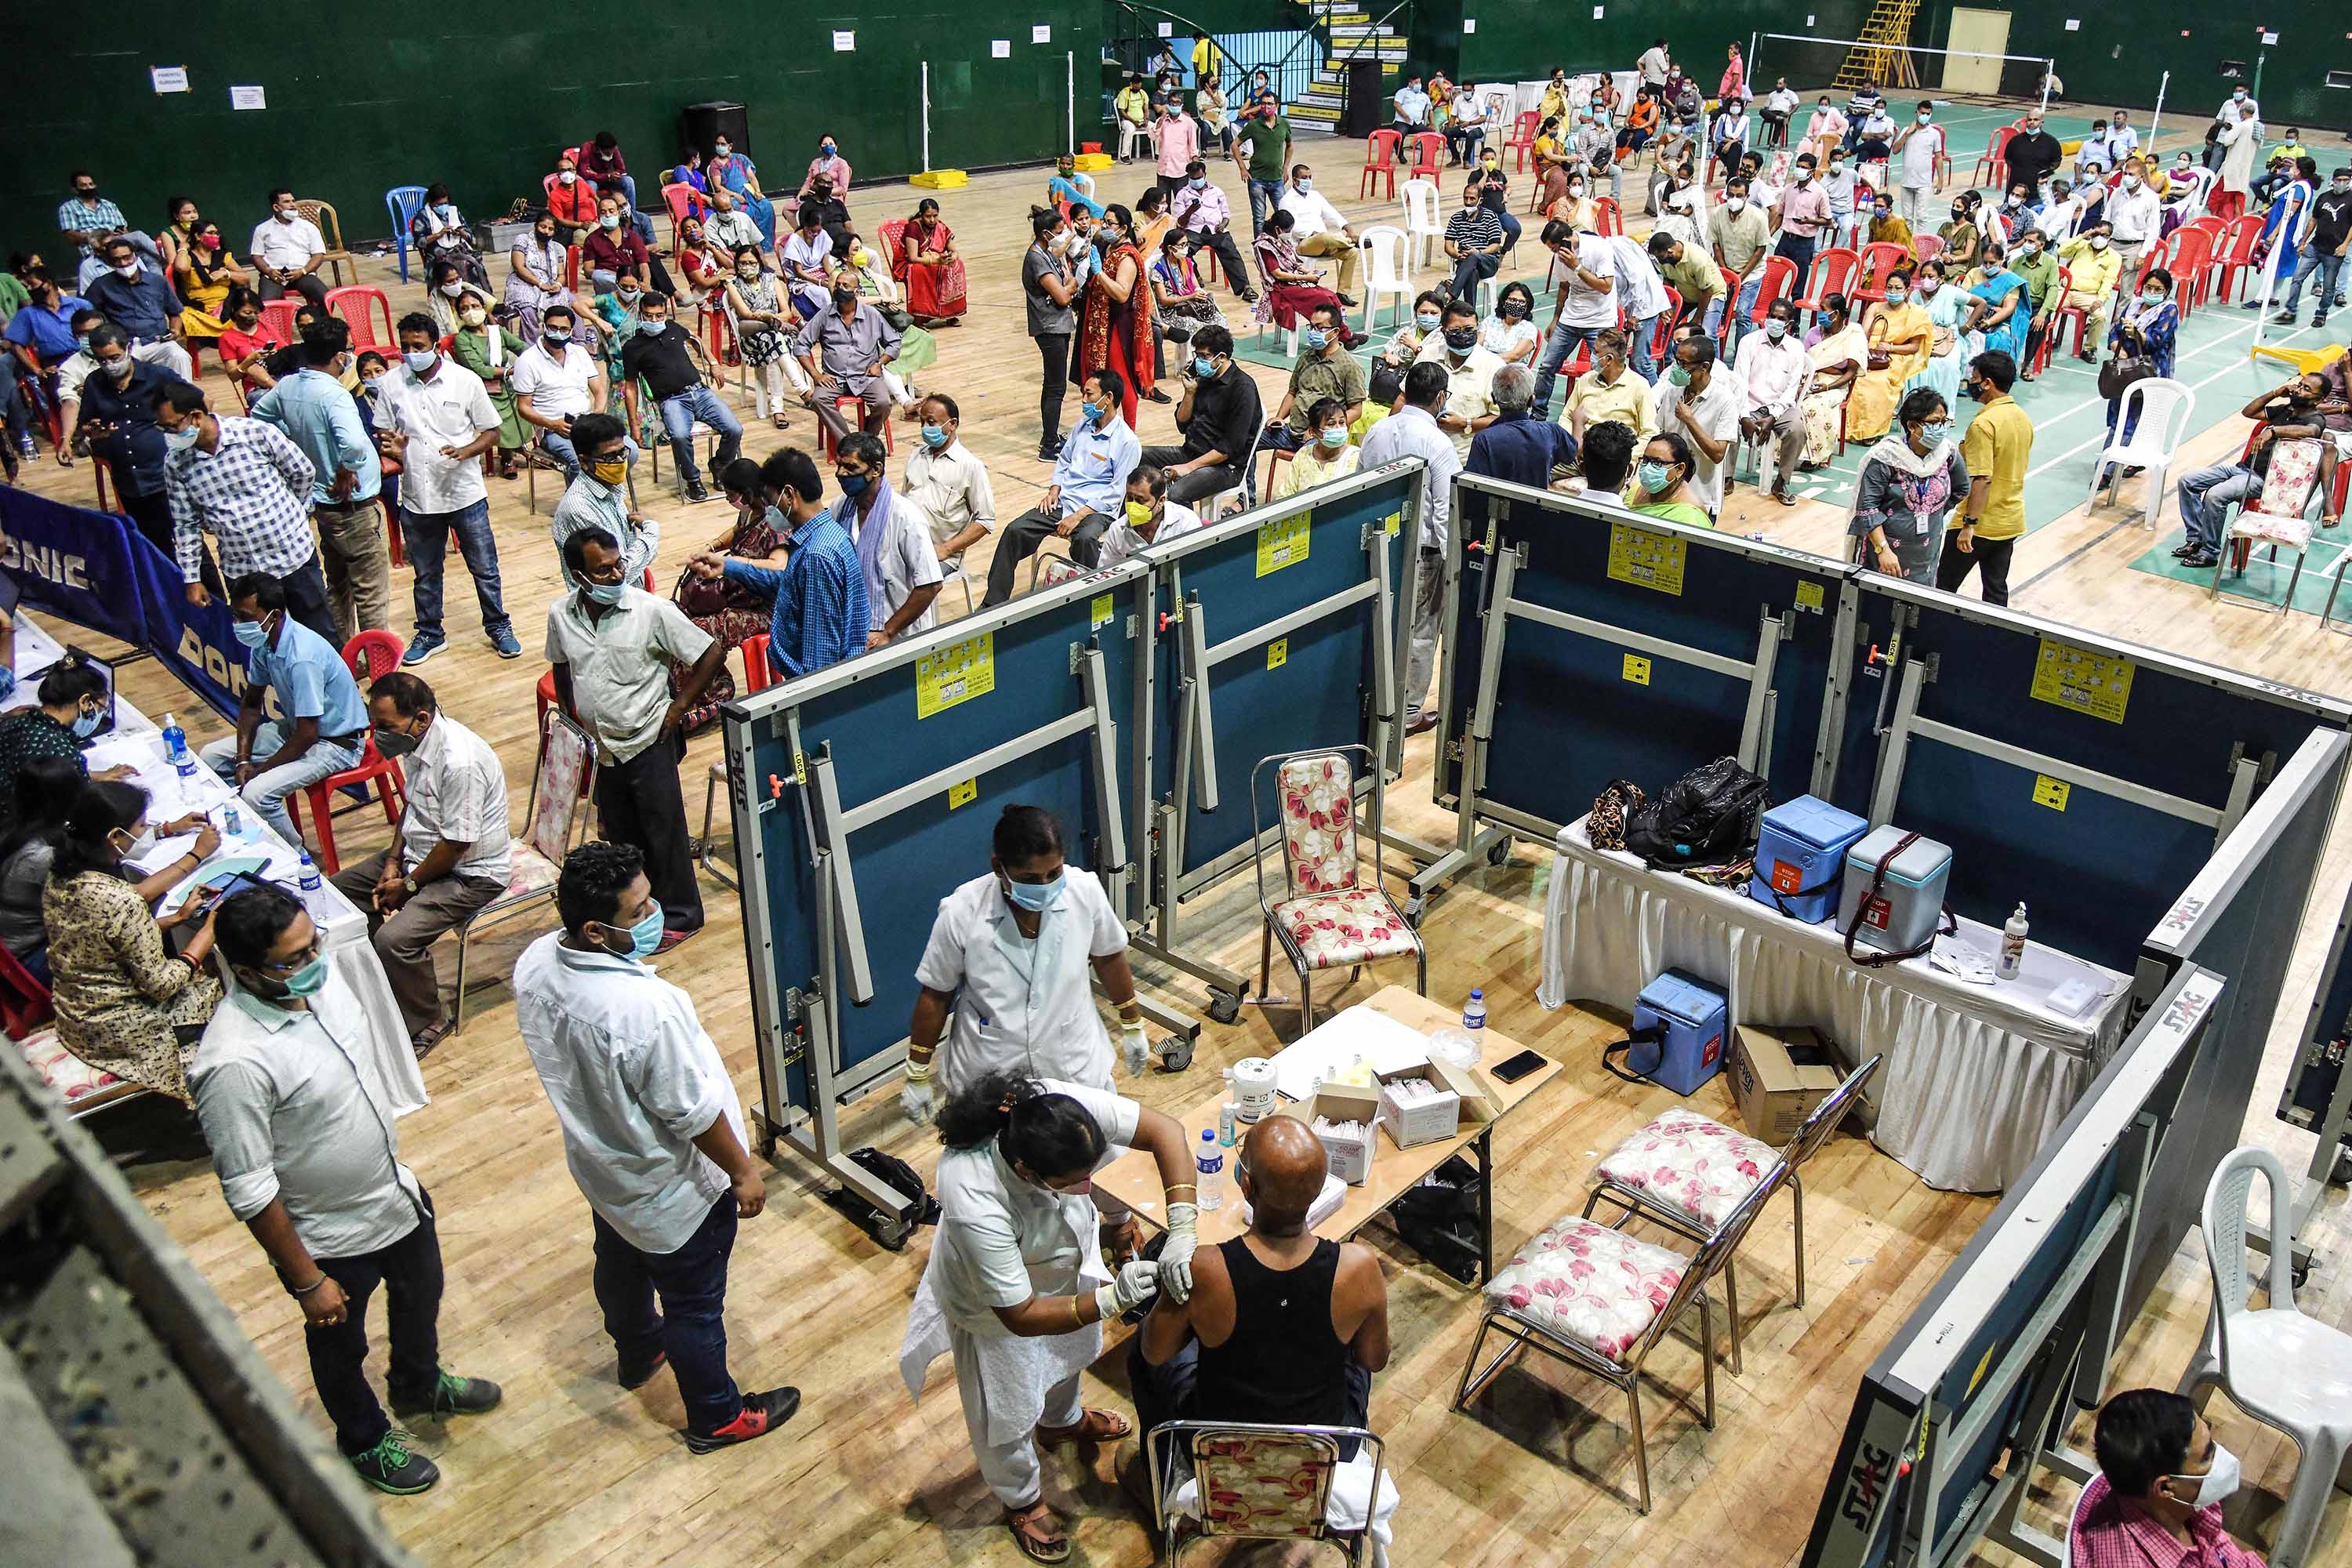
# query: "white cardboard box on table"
1340, 1104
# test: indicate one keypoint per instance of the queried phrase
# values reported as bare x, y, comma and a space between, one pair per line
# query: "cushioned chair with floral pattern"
1330, 915
2275, 517
558, 790
1256, 1481
1601, 1301
1687, 1173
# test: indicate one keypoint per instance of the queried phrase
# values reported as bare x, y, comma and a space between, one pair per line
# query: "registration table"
135, 740
1134, 1179
1976, 1075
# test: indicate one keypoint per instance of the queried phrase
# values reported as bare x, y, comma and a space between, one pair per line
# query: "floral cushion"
1056, 569
562, 779
1318, 823
1589, 1285
529, 872
1262, 1483
1688, 1161
1341, 930
2286, 488
71, 1077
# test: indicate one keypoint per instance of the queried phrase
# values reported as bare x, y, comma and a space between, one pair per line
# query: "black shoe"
452, 1396
2200, 559
2185, 551
1047, 452
695, 492
2284, 319
637, 1377
762, 1413
393, 1466
1156, 395
1347, 302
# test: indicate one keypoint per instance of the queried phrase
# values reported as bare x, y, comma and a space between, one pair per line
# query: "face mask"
604, 592
2131, 182
1316, 339
1927, 286
653, 329
609, 222
1138, 516
285, 214
2153, 296
935, 436
2098, 242
1577, 190
556, 337
749, 274
129, 270
1734, 203
1428, 321
420, 360
1203, 368
1934, 431
1924, 116
1461, 339
1306, 185
453, 290
2215, 1484
566, 177
721, 151
1653, 476
609, 470
843, 298
1804, 176
183, 438
252, 633
141, 844
644, 936
1034, 897
85, 725
2029, 251
854, 485
394, 743
828, 149
1776, 330
472, 318
1835, 170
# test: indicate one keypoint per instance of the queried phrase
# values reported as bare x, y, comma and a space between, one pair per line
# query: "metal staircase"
1884, 56
1353, 30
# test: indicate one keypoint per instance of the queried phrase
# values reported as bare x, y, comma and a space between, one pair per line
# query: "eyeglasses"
301, 960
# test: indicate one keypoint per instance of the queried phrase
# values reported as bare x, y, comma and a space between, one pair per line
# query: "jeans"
426, 537
1053, 347
265, 793
689, 1324
1742, 310
410, 1272
2206, 495
678, 414
1164, 1394
1265, 195
1637, 353
2330, 267
1470, 271
1560, 347
641, 803
1991, 555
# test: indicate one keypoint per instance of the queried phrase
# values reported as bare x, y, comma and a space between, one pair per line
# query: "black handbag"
2120, 371
1705, 817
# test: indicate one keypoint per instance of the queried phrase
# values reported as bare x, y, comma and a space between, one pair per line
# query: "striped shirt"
251, 493
819, 616
1475, 229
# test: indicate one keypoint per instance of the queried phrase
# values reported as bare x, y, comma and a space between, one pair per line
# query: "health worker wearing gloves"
1016, 1289
1004, 977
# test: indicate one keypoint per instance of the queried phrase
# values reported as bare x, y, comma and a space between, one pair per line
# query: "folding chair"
1256, 1481
559, 792
1328, 914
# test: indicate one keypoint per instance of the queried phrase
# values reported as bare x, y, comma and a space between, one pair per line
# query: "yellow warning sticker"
1808, 595
956, 673
1984, 1365
800, 767
1278, 653
1101, 613
1281, 542
1644, 558
2049, 791
1637, 669
1393, 524
963, 793
2094, 683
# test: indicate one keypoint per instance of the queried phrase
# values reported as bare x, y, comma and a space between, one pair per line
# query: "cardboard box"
1424, 1121
1351, 1158
1481, 1100
1778, 1075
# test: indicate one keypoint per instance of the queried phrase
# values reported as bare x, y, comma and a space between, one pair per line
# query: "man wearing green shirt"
1695, 277
1265, 137
2033, 261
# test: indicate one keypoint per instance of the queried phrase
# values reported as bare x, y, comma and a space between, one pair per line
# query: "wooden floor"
572, 1470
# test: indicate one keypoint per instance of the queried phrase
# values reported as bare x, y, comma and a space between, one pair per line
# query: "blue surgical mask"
419, 361
1935, 430
1090, 412
1203, 367
1316, 337
653, 329
646, 934
252, 633
1428, 321
1333, 436
183, 438
1034, 897
1653, 476
605, 593
935, 436
85, 725
309, 980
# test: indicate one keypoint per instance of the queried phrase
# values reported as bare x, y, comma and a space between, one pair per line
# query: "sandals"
1094, 1427
1036, 1534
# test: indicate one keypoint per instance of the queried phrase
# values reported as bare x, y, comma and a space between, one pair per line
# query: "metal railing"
1135, 44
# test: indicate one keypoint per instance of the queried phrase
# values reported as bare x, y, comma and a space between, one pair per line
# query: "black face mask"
1461, 340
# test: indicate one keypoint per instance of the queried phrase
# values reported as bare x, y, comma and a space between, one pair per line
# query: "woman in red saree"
928, 268
1115, 328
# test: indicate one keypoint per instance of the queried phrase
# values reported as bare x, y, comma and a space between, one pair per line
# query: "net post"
2156, 118
2048, 69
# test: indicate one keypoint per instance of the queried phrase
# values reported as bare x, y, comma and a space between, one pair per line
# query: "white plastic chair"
1422, 226
2283, 1369
2164, 406
1383, 247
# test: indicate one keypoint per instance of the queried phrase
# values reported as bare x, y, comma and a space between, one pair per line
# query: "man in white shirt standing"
1699, 401
949, 485
299, 1114
436, 422
1653, 64
452, 854
1586, 304
893, 539
653, 1134
1411, 432
287, 250
1320, 230
1915, 151
1772, 373
2136, 213
554, 381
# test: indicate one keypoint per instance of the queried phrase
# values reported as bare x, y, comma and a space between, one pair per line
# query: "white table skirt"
1976, 1078
343, 925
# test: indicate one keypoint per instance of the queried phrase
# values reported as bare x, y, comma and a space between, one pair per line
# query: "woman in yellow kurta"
1899, 326
203, 271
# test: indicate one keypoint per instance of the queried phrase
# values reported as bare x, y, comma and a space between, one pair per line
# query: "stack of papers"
1323, 1052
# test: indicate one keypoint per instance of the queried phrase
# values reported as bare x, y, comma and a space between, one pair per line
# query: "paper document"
1326, 1201
1387, 1045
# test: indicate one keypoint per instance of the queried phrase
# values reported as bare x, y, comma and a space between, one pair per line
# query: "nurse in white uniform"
1015, 1288
1004, 977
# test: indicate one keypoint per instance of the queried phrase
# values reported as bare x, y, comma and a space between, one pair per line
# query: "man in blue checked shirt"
247, 486
324, 731
819, 615
314, 412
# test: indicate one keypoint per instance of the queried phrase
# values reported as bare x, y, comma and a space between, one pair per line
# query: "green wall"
1520, 40
439, 89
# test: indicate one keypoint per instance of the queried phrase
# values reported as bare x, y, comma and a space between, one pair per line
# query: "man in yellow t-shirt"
1609, 391
1997, 450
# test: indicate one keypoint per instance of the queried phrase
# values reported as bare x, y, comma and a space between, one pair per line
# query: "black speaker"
1362, 114
701, 124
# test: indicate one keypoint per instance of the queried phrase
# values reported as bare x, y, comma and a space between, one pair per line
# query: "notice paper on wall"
1042, 33
1469, 24
1167, 30
247, 97
999, 48
169, 79
844, 43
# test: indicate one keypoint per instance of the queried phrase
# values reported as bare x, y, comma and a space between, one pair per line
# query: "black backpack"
891, 1231
1705, 817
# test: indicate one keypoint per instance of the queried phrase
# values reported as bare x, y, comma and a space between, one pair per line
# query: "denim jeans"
2330, 267
1264, 197
1558, 349
678, 414
1637, 353
2206, 495
1740, 308
427, 536
265, 793
689, 1324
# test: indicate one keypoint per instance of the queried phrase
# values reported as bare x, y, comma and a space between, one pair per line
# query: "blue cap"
1208, 1134
1477, 996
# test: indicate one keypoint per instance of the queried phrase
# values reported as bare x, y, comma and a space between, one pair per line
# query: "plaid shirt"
820, 616
2106, 1533
99, 216
252, 494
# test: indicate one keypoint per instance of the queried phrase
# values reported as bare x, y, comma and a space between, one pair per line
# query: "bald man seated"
1282, 1326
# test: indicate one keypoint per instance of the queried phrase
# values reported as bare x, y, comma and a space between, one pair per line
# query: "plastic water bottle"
1209, 1172
2012, 946
1473, 1013
175, 747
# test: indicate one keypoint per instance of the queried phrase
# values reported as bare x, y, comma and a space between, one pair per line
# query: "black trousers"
641, 804
1031, 529
1199, 482
1987, 555
1229, 256
306, 599
1053, 347
410, 1272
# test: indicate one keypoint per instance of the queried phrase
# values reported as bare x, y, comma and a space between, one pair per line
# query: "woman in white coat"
1016, 1289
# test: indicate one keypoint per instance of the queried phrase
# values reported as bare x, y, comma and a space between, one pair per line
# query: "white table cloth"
343, 925
1976, 1076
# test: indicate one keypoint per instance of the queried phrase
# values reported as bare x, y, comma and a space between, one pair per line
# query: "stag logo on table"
48, 563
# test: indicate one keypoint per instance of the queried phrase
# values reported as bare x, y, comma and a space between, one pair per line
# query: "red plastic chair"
359, 305
25, 1004
1731, 299
2080, 315
366, 656
2192, 268
1879, 261
1780, 280
572, 266
1835, 272
2235, 253
854, 406
278, 317
681, 199
1994, 160
1607, 219
1522, 140
1661, 341
1380, 161
1926, 246
1428, 156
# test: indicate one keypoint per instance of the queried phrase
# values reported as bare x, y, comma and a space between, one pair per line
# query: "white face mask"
2219, 1483
1734, 203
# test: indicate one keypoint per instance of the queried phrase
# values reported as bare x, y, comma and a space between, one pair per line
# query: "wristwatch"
409, 883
